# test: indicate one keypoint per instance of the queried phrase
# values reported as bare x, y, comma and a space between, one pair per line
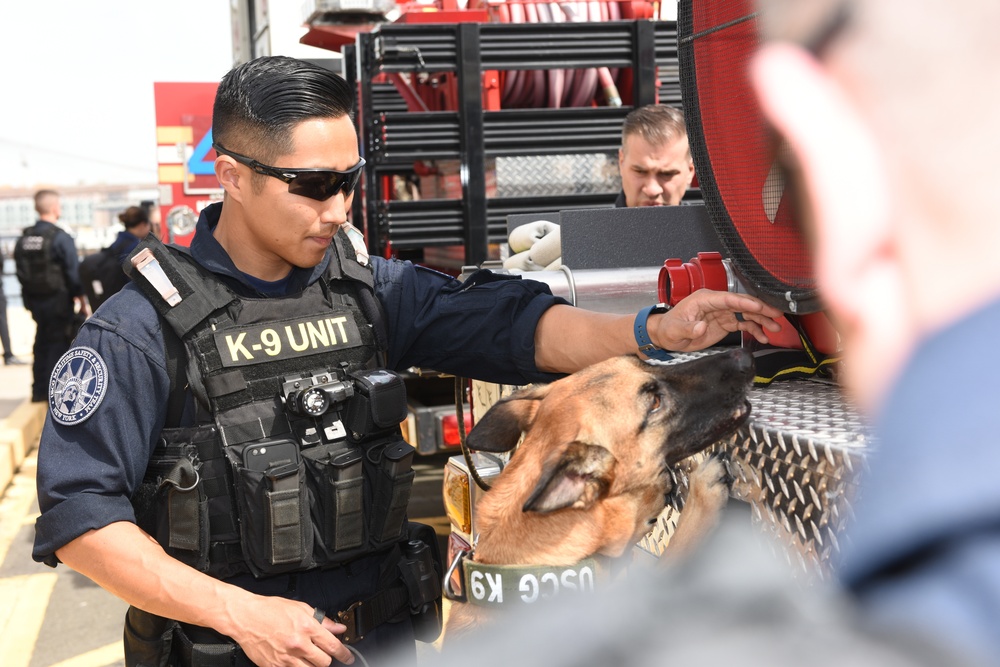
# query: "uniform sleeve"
94, 450
66, 249
482, 328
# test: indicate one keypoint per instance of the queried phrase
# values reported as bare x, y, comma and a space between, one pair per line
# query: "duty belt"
365, 615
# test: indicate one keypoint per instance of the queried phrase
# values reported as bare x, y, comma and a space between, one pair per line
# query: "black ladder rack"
393, 138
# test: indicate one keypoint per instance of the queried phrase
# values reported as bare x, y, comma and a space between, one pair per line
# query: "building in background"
89, 213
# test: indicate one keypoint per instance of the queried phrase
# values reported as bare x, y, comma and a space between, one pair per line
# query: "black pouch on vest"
420, 569
171, 503
274, 507
388, 466
337, 501
147, 639
182, 526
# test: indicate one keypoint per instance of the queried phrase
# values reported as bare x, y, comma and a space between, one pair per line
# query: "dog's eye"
654, 396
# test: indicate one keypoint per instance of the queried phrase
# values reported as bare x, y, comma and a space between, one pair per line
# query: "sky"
76, 83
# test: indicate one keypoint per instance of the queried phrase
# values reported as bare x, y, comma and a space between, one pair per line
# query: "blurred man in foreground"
853, 87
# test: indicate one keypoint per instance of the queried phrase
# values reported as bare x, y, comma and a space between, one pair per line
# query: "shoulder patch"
77, 386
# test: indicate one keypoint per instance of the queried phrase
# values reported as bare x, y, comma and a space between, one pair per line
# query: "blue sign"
198, 165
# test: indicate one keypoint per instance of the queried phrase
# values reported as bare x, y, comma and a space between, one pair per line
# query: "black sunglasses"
318, 184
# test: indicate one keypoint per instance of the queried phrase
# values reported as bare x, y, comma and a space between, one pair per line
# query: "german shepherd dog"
593, 470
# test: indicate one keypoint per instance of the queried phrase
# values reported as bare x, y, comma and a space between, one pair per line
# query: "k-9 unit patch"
261, 343
77, 386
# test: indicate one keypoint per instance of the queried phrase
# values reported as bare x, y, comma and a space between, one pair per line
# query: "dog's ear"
500, 428
580, 476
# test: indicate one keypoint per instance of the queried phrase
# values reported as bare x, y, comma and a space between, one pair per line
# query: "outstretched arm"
568, 339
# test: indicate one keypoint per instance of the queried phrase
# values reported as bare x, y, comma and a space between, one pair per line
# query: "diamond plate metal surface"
548, 175
795, 463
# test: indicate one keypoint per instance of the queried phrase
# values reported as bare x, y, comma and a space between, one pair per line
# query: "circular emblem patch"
77, 386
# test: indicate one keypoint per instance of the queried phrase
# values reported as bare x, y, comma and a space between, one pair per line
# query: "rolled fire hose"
557, 87
536, 246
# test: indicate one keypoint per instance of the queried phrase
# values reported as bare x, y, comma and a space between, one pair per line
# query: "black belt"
365, 615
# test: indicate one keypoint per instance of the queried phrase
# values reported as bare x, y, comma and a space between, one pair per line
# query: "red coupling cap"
679, 279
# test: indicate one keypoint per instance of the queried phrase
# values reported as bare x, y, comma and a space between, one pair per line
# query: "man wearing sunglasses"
233, 401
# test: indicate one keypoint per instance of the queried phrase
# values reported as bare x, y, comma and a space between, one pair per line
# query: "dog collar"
524, 585
642, 336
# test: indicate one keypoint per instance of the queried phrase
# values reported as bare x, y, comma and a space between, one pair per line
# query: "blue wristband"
642, 336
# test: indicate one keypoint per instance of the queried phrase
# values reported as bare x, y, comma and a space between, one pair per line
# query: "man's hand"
271, 630
82, 306
706, 316
276, 631
568, 339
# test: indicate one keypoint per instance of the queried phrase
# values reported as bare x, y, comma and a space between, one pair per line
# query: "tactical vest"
296, 461
102, 275
37, 271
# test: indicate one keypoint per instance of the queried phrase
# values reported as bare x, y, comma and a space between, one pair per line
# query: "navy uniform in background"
48, 270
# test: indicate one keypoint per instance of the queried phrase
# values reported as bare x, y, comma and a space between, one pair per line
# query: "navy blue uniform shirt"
923, 554
94, 456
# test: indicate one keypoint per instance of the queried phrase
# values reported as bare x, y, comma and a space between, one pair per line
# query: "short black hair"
259, 103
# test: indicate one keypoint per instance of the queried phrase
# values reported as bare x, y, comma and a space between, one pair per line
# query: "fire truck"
184, 156
475, 118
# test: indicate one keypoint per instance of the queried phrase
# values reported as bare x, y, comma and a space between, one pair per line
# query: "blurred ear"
846, 188
839, 157
500, 428
578, 478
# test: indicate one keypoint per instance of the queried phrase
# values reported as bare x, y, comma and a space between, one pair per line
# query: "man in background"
8, 352
101, 272
655, 159
48, 270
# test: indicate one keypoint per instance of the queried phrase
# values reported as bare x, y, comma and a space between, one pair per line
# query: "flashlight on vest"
314, 395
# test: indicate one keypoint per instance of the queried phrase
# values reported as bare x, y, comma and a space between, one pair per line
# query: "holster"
415, 592
421, 571
148, 639
154, 641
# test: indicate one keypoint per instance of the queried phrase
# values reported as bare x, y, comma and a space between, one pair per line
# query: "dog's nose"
744, 361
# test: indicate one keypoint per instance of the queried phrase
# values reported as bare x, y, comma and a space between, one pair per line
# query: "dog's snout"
743, 362
733, 367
